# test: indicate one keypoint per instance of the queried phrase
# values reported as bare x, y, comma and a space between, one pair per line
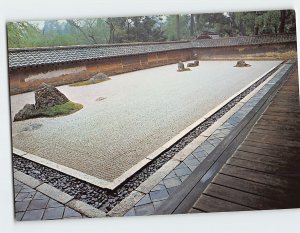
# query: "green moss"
87, 82
185, 69
59, 110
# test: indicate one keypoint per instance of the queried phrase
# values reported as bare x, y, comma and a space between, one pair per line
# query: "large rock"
47, 96
28, 111
180, 66
98, 77
241, 63
193, 64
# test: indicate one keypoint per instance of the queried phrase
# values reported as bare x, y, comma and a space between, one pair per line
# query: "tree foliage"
148, 28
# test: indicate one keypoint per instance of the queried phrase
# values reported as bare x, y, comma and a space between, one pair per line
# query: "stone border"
129, 202
119, 180
58, 195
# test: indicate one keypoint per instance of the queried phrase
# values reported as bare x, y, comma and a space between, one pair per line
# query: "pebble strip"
104, 199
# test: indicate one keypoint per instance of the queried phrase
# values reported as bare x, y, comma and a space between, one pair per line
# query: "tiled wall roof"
53, 55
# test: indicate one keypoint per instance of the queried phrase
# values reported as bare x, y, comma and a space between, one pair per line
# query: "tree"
20, 34
178, 27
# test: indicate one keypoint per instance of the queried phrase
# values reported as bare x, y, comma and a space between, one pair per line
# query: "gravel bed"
106, 199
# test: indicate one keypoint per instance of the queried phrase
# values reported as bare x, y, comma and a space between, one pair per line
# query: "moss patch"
61, 110
185, 69
87, 82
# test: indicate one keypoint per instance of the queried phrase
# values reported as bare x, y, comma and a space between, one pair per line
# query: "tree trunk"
256, 29
282, 21
192, 28
178, 27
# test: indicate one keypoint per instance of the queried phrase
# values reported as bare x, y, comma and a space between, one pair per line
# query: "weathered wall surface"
264, 51
28, 79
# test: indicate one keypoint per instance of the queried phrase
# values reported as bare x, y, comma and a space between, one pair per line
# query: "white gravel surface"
141, 111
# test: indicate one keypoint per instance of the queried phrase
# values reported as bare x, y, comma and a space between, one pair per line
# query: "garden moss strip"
88, 82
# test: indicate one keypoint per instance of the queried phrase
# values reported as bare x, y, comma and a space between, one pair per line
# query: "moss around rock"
29, 112
98, 78
49, 102
193, 64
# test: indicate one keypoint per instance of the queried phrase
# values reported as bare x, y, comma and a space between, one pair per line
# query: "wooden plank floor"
264, 172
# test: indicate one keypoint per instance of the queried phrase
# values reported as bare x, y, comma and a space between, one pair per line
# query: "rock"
193, 64
47, 96
180, 66
241, 63
98, 77
28, 111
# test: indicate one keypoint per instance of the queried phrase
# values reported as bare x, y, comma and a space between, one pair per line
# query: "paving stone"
86, 209
54, 213
29, 196
172, 182
200, 155
33, 215
26, 179
21, 196
144, 210
226, 131
227, 125
159, 195
52, 203
207, 147
181, 165
130, 213
17, 188
16, 182
170, 175
27, 189
19, 215
70, 213
190, 157
192, 168
38, 204
192, 162
54, 193
214, 141
126, 204
182, 178
21, 206
160, 186
145, 200
182, 171
199, 149
157, 204
40, 196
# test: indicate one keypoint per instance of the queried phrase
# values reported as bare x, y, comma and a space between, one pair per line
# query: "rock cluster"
46, 96
98, 77
193, 64
241, 63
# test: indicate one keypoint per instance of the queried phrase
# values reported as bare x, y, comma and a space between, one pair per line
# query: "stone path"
33, 205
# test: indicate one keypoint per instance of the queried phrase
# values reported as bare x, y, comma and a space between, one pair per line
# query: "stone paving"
152, 200
33, 205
